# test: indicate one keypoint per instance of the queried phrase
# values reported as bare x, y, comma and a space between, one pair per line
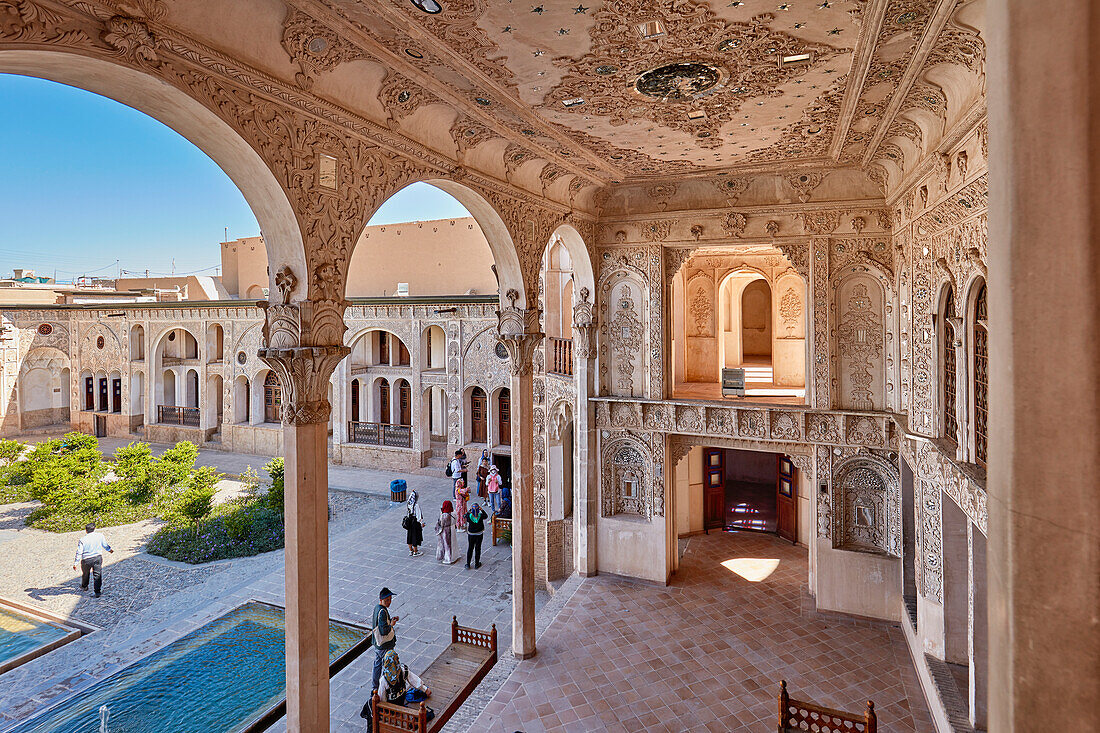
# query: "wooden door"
100, 426
384, 402
116, 395
89, 393
355, 400
714, 488
786, 499
477, 416
505, 404
103, 394
403, 393
273, 398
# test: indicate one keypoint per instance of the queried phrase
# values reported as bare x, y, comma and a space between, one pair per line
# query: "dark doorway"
89, 393
116, 395
384, 402
741, 490
504, 465
100, 426
355, 400
103, 394
405, 396
478, 432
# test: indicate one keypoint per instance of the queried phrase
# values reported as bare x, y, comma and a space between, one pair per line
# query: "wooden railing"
796, 715
560, 353
170, 415
376, 433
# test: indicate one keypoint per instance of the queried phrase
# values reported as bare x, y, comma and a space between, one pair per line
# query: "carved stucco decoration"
812, 134
751, 423
821, 291
735, 224
95, 358
314, 47
741, 55
400, 97
860, 345
790, 310
823, 428
644, 265
804, 182
584, 326
518, 329
627, 473
867, 491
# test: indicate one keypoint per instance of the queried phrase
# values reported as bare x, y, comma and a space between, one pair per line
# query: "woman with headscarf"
396, 680
493, 485
413, 524
445, 531
483, 474
476, 522
462, 494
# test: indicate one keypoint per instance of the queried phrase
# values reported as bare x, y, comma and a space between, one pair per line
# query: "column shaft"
523, 514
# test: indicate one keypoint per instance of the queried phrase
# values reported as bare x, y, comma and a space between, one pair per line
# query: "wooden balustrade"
560, 356
376, 433
171, 415
796, 715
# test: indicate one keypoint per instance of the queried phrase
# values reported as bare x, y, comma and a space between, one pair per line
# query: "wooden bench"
500, 525
795, 715
452, 677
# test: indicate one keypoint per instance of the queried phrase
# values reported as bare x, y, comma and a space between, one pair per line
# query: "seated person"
505, 504
397, 680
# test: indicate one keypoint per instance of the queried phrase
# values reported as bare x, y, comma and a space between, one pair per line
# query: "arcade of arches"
892, 238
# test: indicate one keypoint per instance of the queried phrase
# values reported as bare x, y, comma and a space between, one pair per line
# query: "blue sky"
88, 182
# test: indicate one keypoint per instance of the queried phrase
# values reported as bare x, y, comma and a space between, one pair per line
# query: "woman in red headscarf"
445, 531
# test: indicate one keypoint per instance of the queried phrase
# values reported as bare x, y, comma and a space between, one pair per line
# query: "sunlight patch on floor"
752, 569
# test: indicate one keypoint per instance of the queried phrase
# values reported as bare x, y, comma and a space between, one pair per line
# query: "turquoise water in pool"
218, 678
20, 634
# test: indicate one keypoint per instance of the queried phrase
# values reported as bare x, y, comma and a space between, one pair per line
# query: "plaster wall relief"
860, 344
631, 332
821, 397
627, 475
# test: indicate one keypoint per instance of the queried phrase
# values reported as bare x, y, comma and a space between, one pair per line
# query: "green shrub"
198, 498
10, 450
134, 469
237, 528
250, 482
275, 495
175, 465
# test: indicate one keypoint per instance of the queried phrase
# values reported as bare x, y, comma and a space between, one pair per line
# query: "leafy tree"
275, 495
134, 469
250, 481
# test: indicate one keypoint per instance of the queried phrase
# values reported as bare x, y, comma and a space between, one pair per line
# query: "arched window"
980, 386
947, 331
273, 398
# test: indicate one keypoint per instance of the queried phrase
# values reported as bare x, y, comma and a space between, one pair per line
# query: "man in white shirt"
89, 558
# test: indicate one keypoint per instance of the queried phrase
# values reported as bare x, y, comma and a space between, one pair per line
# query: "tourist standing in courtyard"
89, 558
476, 522
385, 638
482, 474
413, 524
461, 453
445, 531
457, 467
493, 487
462, 494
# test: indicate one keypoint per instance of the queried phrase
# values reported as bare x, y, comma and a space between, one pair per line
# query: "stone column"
586, 502
520, 335
295, 334
962, 391
1044, 331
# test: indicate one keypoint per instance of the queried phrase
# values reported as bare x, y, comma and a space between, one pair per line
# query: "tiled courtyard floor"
706, 653
363, 557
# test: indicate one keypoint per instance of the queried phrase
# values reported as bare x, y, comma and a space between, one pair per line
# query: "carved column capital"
304, 374
518, 329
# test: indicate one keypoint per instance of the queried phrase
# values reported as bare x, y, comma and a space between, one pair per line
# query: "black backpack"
449, 472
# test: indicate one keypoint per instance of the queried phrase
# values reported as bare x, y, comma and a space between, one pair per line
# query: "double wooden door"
478, 431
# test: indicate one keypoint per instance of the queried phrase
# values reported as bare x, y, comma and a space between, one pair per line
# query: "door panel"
384, 403
477, 416
714, 488
786, 499
505, 400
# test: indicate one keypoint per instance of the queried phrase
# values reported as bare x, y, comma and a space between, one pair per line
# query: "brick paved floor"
706, 653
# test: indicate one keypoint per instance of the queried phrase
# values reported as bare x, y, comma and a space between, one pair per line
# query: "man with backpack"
456, 467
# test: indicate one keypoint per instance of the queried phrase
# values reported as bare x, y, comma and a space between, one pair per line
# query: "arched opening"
979, 372
241, 400
215, 343
214, 401
560, 467
43, 388
103, 392
433, 349
756, 325
137, 343
379, 349
191, 387
403, 406
137, 394
273, 398
557, 313
168, 387
382, 401
87, 386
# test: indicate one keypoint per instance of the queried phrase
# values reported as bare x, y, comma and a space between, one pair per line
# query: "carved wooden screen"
477, 416
981, 378
273, 399
950, 418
